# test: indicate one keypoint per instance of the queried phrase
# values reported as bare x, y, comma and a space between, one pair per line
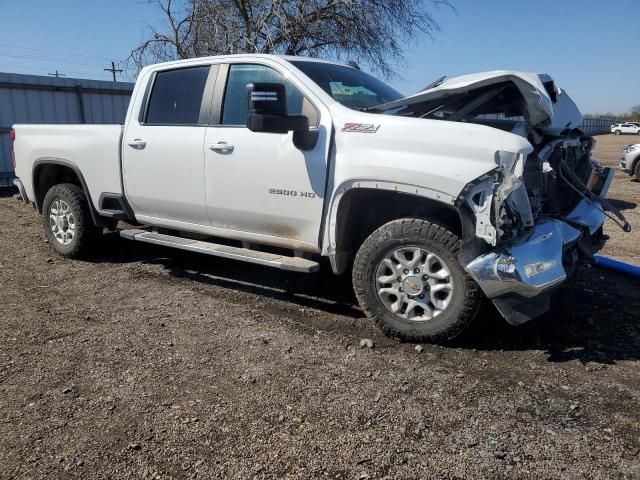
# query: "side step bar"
111, 213
295, 264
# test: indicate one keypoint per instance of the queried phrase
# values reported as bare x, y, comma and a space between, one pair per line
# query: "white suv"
629, 127
630, 161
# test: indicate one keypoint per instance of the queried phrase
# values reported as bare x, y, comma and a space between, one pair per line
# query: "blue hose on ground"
617, 265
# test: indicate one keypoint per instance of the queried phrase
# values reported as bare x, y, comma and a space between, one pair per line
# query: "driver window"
234, 108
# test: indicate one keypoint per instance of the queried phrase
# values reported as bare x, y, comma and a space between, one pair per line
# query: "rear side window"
234, 109
176, 98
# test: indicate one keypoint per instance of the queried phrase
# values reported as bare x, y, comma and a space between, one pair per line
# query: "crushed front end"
534, 218
527, 222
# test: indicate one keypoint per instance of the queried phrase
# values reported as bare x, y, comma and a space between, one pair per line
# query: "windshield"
349, 86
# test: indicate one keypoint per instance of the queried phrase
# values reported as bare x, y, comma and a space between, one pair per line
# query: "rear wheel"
67, 220
408, 279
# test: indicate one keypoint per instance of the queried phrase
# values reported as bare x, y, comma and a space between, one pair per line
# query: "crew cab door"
260, 183
162, 152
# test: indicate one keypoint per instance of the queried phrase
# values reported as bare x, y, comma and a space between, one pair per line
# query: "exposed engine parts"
549, 182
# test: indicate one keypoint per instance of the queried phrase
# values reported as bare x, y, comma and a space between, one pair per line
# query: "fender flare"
330, 230
97, 220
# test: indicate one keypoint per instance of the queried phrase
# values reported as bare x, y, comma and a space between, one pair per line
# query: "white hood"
541, 109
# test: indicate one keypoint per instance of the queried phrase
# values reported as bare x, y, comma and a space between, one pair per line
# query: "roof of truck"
249, 55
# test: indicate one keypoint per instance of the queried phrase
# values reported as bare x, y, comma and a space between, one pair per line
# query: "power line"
113, 70
54, 51
44, 69
42, 59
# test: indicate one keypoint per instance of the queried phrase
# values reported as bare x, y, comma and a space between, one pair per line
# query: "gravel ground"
143, 362
624, 194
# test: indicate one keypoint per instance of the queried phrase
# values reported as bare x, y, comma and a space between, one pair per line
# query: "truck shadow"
622, 204
323, 290
8, 191
594, 318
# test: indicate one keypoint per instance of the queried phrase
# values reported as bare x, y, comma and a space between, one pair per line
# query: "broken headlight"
499, 200
512, 210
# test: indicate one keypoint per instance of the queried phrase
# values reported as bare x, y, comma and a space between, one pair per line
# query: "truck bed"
93, 151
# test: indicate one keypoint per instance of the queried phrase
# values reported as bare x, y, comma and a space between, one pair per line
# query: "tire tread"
407, 228
86, 233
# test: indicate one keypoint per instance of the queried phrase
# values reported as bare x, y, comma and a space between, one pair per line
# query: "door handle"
222, 147
137, 144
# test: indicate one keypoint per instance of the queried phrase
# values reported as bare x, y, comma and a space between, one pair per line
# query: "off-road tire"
86, 233
467, 297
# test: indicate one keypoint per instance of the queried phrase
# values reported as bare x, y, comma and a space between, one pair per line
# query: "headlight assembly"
500, 201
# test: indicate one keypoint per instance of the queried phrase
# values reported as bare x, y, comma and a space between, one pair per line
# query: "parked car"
629, 127
630, 161
477, 186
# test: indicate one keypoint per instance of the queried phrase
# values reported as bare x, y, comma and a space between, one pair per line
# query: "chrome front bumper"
518, 277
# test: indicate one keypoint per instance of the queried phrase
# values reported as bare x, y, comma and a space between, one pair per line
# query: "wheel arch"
360, 207
48, 172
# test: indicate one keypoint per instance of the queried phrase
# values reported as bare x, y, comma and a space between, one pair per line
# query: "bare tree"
371, 31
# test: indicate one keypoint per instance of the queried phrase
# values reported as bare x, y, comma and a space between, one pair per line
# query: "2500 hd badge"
291, 193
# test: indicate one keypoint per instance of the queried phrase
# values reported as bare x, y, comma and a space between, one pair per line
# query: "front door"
260, 183
163, 157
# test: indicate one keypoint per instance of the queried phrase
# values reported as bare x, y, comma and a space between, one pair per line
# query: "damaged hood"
545, 105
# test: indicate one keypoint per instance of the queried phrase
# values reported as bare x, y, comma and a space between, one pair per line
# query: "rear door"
163, 160
261, 184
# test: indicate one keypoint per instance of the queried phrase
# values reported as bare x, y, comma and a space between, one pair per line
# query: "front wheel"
67, 220
636, 170
618, 132
408, 279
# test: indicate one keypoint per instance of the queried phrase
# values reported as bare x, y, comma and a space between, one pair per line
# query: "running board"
295, 264
115, 214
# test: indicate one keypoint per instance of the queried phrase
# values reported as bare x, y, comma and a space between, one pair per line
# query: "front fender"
329, 243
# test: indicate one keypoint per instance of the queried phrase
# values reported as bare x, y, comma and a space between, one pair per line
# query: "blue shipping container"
40, 99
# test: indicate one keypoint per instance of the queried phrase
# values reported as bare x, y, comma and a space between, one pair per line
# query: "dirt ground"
143, 362
625, 195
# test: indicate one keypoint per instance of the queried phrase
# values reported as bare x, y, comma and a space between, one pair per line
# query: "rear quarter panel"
94, 150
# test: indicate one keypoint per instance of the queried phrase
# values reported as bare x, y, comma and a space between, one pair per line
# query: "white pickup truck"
477, 186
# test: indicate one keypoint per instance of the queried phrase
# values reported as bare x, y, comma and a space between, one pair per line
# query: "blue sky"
591, 47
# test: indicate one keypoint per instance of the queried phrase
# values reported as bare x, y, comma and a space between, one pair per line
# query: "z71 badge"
360, 127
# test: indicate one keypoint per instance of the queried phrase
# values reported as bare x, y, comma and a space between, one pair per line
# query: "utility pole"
113, 70
57, 74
